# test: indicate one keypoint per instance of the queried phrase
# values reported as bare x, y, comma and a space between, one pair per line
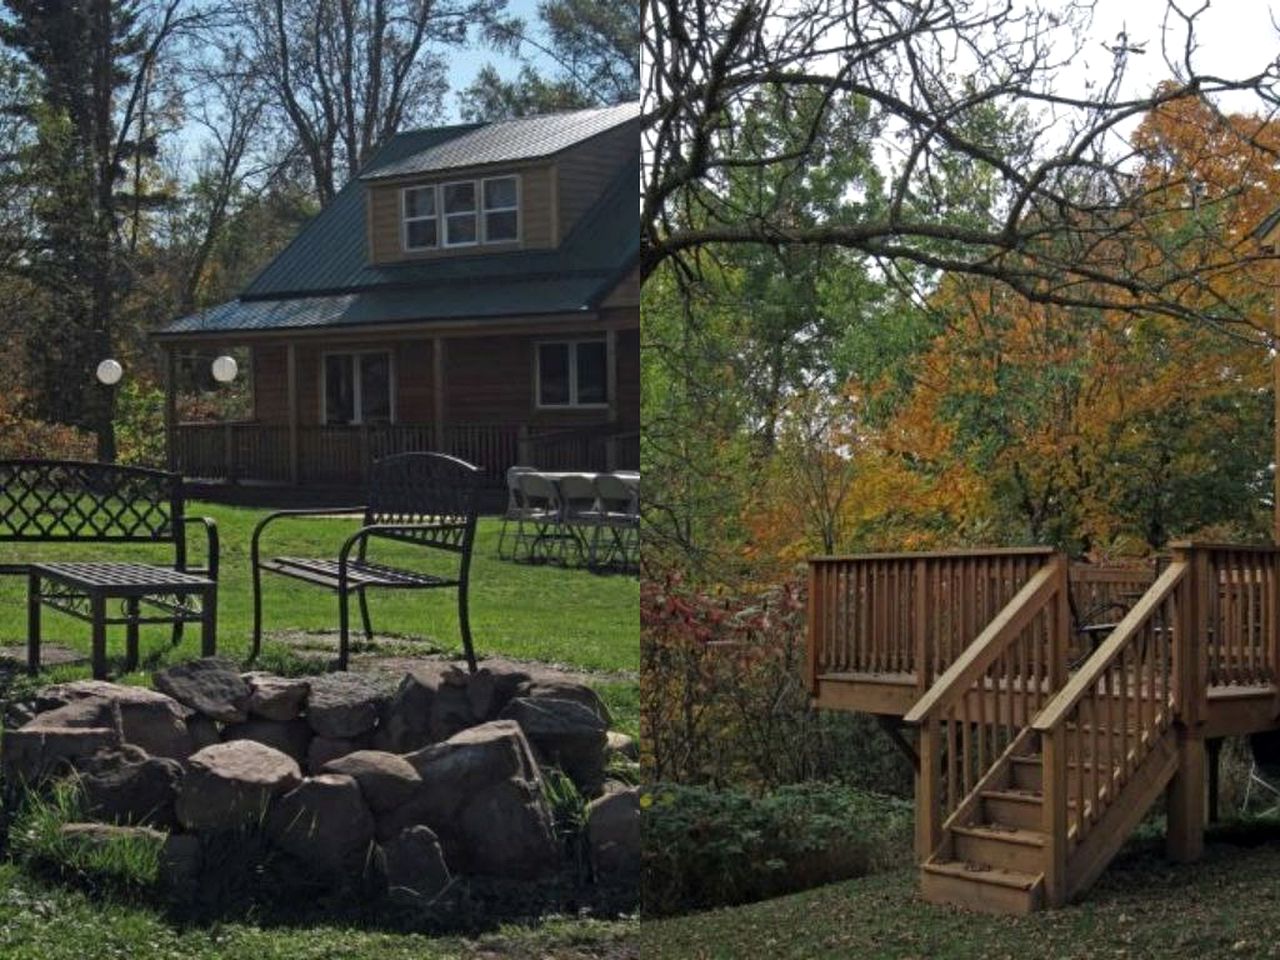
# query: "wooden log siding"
910, 613
586, 170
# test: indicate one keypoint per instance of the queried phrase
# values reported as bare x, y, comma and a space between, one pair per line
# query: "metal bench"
425, 499
66, 501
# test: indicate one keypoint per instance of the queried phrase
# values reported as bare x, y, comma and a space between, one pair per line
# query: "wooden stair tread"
1002, 832
982, 873
1014, 794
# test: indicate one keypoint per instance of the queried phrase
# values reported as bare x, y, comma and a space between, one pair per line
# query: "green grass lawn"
568, 616
1227, 905
40, 921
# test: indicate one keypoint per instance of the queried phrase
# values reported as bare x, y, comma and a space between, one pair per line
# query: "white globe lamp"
225, 369
110, 372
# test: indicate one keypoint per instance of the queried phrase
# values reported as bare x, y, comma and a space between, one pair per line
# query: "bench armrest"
211, 547
285, 514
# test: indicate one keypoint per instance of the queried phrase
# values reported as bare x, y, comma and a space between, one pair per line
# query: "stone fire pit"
432, 776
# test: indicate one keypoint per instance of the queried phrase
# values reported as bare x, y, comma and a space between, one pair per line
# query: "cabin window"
460, 214
573, 374
357, 388
501, 210
421, 223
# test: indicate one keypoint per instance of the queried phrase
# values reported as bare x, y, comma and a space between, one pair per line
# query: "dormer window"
461, 213
421, 224
501, 210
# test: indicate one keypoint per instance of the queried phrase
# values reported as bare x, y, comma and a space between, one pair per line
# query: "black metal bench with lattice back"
73, 502
428, 500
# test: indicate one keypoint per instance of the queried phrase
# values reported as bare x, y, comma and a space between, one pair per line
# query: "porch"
1051, 703
253, 453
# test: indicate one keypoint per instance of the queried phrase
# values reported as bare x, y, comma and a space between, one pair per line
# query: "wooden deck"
1051, 704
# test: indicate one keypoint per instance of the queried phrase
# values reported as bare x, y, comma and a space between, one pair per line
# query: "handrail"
1093, 669
978, 657
938, 554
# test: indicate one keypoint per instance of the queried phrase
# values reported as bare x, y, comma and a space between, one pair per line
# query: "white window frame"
573, 403
357, 387
475, 213
405, 219
485, 210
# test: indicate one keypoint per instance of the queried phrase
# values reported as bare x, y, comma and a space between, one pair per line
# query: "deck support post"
1054, 789
291, 382
1215, 756
1185, 840
928, 790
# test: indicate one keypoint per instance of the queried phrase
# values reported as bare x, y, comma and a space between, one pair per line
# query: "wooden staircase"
1037, 752
994, 857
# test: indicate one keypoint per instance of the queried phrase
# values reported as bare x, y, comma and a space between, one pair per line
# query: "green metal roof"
506, 141
323, 278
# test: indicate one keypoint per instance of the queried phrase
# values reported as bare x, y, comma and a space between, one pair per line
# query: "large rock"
150, 719
211, 686
276, 698
57, 738
127, 786
102, 834
292, 737
621, 745
414, 866
324, 749
548, 688
203, 731
181, 864
344, 705
232, 784
386, 780
613, 833
430, 704
324, 823
481, 795
565, 733
506, 832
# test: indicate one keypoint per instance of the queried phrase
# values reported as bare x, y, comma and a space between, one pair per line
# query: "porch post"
611, 368
291, 375
170, 408
437, 386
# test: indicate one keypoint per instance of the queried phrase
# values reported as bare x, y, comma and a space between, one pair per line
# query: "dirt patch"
397, 654
51, 655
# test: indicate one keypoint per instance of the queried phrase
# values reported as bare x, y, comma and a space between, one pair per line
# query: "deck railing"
254, 452
1240, 628
908, 613
981, 706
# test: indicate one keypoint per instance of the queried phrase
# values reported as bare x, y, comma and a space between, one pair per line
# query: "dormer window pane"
460, 214
501, 210
421, 222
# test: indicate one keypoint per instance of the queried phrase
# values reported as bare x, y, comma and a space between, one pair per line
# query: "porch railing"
332, 455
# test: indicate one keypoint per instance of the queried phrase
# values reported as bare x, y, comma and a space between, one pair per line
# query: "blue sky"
467, 63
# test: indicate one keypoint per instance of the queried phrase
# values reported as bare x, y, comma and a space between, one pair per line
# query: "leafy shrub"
120, 864
724, 701
140, 431
24, 436
706, 848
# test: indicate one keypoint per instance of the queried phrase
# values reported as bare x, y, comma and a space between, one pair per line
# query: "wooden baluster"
1108, 677
966, 744
921, 640
1095, 762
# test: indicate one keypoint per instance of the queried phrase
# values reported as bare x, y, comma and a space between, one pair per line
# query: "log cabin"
474, 290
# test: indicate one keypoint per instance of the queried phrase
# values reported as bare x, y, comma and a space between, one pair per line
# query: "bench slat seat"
360, 574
